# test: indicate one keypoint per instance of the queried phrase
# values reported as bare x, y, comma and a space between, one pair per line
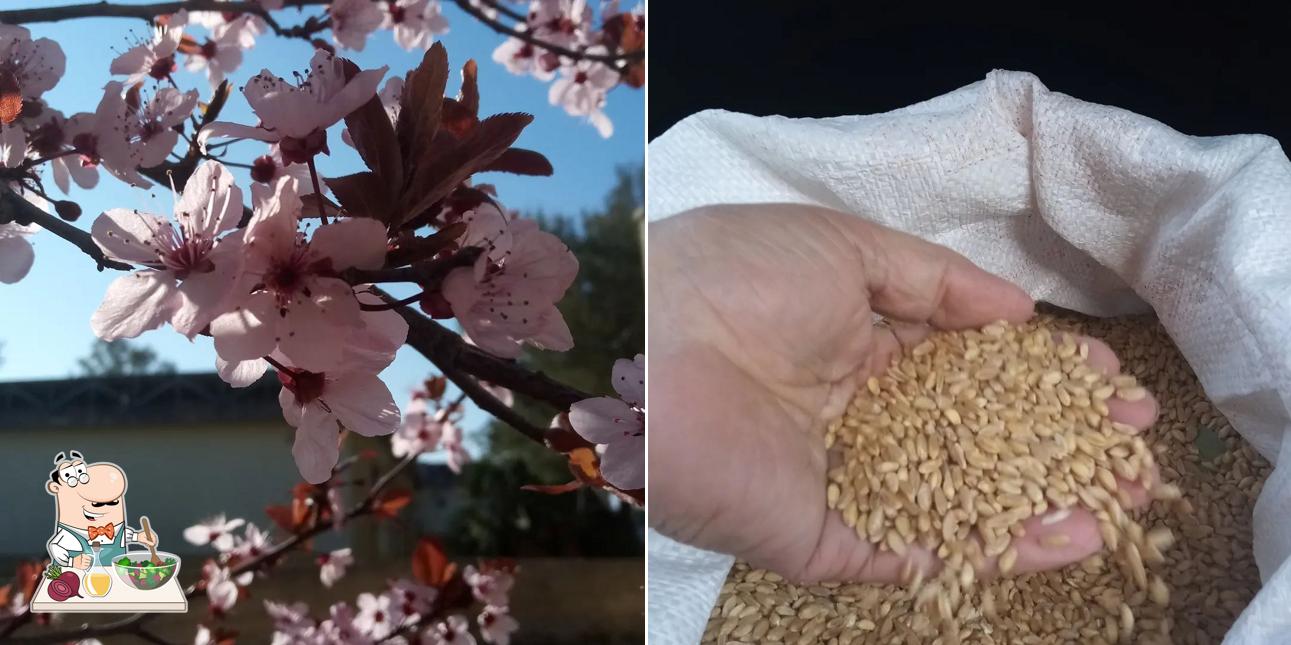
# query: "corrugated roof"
155, 399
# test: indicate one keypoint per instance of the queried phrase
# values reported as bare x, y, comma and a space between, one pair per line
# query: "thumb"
915, 281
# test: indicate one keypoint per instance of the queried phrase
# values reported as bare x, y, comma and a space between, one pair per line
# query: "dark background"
1219, 71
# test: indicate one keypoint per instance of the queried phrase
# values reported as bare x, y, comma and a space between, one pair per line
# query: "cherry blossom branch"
487, 402
14, 208
504, 10
106, 9
133, 624
610, 59
445, 348
428, 272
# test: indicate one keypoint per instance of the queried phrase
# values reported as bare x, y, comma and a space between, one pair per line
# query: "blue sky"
44, 319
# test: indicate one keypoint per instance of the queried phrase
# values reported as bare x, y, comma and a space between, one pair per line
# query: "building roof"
153, 399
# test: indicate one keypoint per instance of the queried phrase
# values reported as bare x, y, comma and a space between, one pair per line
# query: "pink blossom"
350, 397
318, 405
332, 566
619, 424
378, 616
221, 54
336, 504
155, 58
497, 625
250, 544
582, 89
489, 228
521, 58
140, 134
566, 23
215, 531
89, 134
341, 627
268, 167
287, 616
34, 65
203, 636
299, 115
414, 598
190, 270
415, 22
222, 587
491, 586
451, 441
291, 623
420, 430
298, 306
50, 138
353, 21
16, 254
503, 304
453, 631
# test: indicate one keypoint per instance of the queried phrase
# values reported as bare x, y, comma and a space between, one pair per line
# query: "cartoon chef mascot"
90, 509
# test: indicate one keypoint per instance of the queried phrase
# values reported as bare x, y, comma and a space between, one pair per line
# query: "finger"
920, 282
1052, 541
1139, 414
842, 555
891, 339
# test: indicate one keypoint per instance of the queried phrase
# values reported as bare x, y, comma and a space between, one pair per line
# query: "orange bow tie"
107, 530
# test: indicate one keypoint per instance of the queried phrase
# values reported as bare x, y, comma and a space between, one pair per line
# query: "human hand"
761, 327
82, 562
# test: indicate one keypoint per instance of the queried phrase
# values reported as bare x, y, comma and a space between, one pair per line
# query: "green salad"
143, 574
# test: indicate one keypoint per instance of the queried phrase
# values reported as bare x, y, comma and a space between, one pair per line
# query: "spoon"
147, 532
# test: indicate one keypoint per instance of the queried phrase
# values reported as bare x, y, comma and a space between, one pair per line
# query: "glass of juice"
98, 580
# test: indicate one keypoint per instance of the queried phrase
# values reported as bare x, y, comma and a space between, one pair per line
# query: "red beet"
63, 584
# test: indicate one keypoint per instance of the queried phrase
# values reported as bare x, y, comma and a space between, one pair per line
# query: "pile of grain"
1212, 572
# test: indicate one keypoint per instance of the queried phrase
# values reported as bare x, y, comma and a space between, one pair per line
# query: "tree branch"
429, 272
609, 59
446, 349
505, 10
141, 11
14, 208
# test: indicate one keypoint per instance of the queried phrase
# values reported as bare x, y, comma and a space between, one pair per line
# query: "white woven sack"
1087, 206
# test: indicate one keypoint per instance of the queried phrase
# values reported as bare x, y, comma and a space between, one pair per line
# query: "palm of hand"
770, 314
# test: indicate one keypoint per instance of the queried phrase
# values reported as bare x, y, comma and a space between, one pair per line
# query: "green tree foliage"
605, 311
120, 358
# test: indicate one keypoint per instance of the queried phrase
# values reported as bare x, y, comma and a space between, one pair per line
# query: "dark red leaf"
556, 489
435, 387
392, 502
469, 96
362, 194
421, 104
423, 248
441, 170
521, 162
430, 565
457, 119
281, 515
374, 138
